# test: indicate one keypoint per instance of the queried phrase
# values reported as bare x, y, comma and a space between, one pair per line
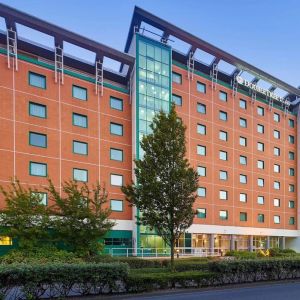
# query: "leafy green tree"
80, 216
24, 217
164, 191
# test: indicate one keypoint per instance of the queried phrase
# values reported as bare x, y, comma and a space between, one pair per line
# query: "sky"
264, 33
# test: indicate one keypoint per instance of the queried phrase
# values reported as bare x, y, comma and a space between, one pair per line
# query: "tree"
81, 219
24, 217
164, 191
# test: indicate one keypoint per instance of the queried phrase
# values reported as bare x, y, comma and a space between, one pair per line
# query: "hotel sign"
256, 88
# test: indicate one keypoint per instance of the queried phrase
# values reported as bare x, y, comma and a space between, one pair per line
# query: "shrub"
241, 254
275, 252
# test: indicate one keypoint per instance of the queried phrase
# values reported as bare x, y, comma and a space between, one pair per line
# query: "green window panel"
37, 110
80, 148
38, 139
116, 103
116, 205
79, 93
80, 175
37, 169
37, 80
80, 120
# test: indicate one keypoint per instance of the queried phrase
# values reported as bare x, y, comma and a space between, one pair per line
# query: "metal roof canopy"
13, 16
140, 15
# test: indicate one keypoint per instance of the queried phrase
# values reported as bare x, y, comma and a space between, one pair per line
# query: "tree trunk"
172, 254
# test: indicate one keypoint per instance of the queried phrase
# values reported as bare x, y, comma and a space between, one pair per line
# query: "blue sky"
265, 33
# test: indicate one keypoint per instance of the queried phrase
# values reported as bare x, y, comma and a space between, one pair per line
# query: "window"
201, 213
80, 147
177, 99
201, 171
291, 204
201, 192
116, 103
201, 108
43, 197
177, 78
292, 221
223, 175
276, 151
243, 197
260, 111
116, 129
223, 135
79, 92
276, 168
276, 202
243, 122
201, 129
260, 128
223, 214
222, 115
223, 155
116, 154
37, 110
276, 134
243, 141
223, 96
243, 160
291, 139
243, 216
276, 185
243, 104
223, 195
260, 218
243, 178
37, 169
201, 150
38, 139
291, 171
260, 200
291, 188
80, 120
116, 180
260, 146
260, 164
291, 155
80, 175
116, 205
37, 80
276, 117
291, 123
260, 182
277, 219
201, 87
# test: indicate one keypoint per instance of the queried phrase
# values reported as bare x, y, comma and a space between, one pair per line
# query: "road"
274, 291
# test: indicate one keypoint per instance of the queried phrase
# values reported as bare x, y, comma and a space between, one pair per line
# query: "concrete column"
212, 243
251, 243
283, 242
268, 242
232, 242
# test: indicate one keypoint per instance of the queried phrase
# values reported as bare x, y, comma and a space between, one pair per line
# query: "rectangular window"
201, 129
116, 129
201, 192
222, 115
260, 218
37, 110
243, 122
223, 175
116, 154
243, 217
201, 171
80, 148
201, 213
276, 117
37, 169
43, 197
276, 168
276, 185
177, 78
260, 200
260, 182
243, 141
79, 93
243, 104
243, 160
223, 214
260, 111
277, 219
292, 221
260, 128
201, 150
291, 155
80, 120
37, 80
276, 202
291, 188
243, 197
116, 180
291, 139
201, 87
291, 171
291, 204
223, 155
243, 179
276, 134
291, 123
177, 100
223, 96
38, 139
116, 103
116, 205
201, 108
260, 146
223, 195
80, 175
223, 135
276, 151
260, 164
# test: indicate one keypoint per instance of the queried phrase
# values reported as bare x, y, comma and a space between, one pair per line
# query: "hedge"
60, 280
